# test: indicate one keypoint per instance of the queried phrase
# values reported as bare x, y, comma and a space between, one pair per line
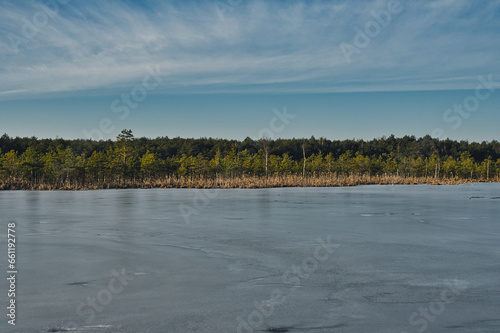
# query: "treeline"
85, 163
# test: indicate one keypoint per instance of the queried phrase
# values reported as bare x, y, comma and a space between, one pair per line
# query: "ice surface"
394, 259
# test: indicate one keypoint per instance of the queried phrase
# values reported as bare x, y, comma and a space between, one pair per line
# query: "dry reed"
332, 180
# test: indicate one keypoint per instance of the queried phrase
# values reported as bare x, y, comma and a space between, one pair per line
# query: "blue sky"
344, 69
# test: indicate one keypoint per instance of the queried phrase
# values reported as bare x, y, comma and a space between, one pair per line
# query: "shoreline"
245, 182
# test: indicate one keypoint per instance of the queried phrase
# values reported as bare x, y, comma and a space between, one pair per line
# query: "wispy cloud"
259, 46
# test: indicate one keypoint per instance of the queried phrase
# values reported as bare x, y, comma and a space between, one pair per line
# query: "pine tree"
11, 165
149, 165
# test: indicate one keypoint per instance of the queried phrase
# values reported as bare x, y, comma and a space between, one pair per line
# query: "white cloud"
281, 46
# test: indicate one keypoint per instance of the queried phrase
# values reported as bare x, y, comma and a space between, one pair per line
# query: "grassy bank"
245, 182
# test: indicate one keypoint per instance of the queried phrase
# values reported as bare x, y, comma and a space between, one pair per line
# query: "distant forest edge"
45, 164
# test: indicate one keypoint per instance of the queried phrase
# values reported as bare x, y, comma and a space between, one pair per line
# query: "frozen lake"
360, 259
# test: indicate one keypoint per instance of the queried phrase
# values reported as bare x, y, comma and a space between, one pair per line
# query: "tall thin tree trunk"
267, 157
488, 170
304, 167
